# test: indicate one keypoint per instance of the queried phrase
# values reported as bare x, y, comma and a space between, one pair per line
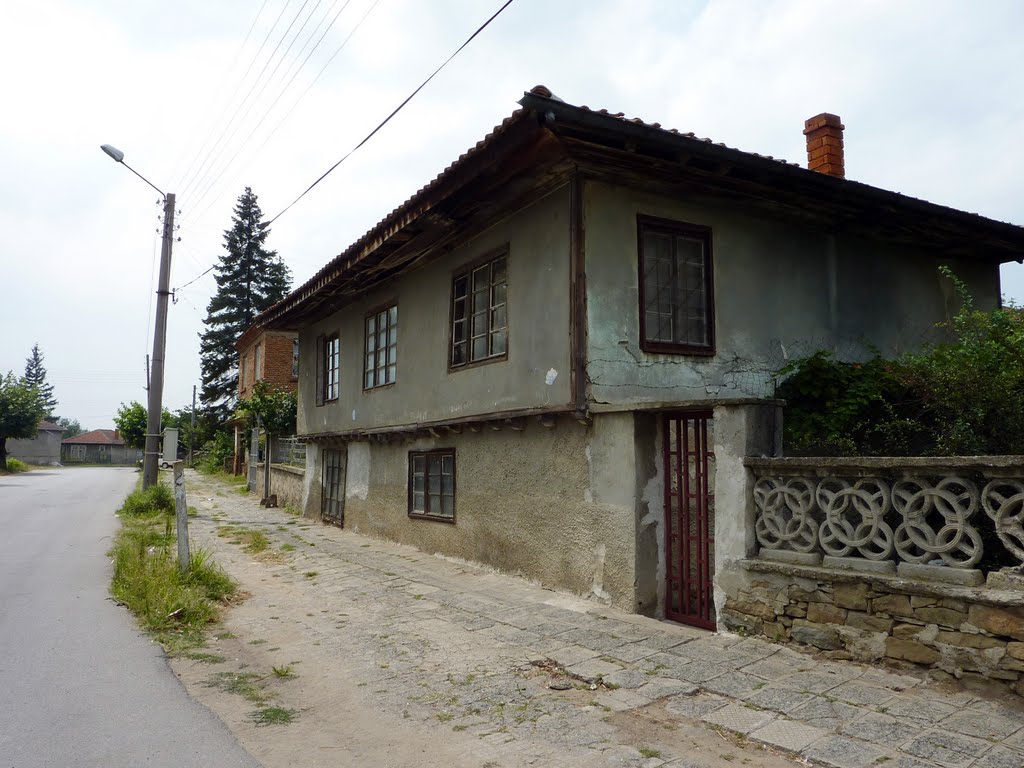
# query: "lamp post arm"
144, 179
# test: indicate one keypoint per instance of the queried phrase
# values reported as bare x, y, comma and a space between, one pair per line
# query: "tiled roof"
49, 426
539, 104
96, 437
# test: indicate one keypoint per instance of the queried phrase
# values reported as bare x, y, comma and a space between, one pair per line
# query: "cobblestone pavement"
541, 678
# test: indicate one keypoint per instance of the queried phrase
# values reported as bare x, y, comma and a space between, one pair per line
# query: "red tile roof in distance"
96, 437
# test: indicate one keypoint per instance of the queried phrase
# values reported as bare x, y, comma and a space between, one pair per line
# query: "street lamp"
156, 383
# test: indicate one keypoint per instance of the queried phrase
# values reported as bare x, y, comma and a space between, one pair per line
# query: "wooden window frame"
695, 232
295, 359
439, 454
331, 473
324, 362
378, 369
465, 272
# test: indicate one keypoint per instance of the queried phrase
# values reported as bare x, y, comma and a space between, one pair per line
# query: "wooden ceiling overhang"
541, 146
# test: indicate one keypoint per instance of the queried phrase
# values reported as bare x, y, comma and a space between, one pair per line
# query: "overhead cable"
387, 119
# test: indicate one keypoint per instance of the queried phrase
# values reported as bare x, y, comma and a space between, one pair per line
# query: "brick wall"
276, 358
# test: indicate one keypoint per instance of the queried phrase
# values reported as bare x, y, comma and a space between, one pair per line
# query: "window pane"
392, 355
480, 348
499, 294
393, 335
368, 380
417, 482
447, 485
498, 343
481, 278
481, 301
448, 465
459, 310
461, 286
498, 317
498, 270
371, 326
459, 332
417, 502
393, 315
418, 464
448, 506
459, 354
434, 466
392, 373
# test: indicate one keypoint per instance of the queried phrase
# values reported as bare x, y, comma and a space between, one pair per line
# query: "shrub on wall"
958, 398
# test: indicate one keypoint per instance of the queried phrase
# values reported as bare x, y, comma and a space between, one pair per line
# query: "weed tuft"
272, 716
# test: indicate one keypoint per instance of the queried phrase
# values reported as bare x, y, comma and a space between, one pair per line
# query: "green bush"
958, 398
215, 452
155, 500
16, 465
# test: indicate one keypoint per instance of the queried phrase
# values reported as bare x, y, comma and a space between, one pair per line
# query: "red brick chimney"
824, 134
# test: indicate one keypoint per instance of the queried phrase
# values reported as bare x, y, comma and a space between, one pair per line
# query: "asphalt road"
79, 684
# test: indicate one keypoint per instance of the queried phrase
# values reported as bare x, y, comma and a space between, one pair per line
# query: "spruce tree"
35, 376
250, 279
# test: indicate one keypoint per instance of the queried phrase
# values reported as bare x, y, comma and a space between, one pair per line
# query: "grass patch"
287, 547
205, 658
176, 606
311, 574
285, 670
272, 716
648, 752
16, 465
255, 542
244, 684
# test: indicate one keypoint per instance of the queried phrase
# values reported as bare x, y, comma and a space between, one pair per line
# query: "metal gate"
689, 519
332, 494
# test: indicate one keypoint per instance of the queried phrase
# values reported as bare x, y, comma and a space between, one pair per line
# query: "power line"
252, 102
282, 92
295, 103
199, 170
220, 86
393, 113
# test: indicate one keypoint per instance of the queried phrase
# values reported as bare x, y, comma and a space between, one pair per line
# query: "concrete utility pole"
150, 460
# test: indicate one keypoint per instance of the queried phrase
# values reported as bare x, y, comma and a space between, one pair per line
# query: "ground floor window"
432, 484
332, 499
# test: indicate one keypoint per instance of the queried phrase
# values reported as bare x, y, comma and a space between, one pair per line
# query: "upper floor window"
258, 365
676, 290
243, 372
479, 312
295, 358
381, 348
328, 369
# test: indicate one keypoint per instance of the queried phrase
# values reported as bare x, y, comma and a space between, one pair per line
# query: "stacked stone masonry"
973, 634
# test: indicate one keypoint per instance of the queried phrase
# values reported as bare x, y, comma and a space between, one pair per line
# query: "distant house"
42, 450
532, 362
263, 355
100, 446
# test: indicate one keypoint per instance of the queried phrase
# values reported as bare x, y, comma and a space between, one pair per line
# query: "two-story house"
518, 365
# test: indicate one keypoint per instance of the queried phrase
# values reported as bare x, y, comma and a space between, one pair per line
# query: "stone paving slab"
456, 643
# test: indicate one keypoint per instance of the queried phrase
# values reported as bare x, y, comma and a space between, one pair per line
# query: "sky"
206, 98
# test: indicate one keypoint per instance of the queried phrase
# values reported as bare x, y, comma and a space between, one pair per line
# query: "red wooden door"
689, 519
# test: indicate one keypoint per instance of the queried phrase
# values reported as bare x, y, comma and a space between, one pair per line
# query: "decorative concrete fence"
888, 515
914, 560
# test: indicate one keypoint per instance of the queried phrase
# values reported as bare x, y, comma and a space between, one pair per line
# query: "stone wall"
975, 634
287, 483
